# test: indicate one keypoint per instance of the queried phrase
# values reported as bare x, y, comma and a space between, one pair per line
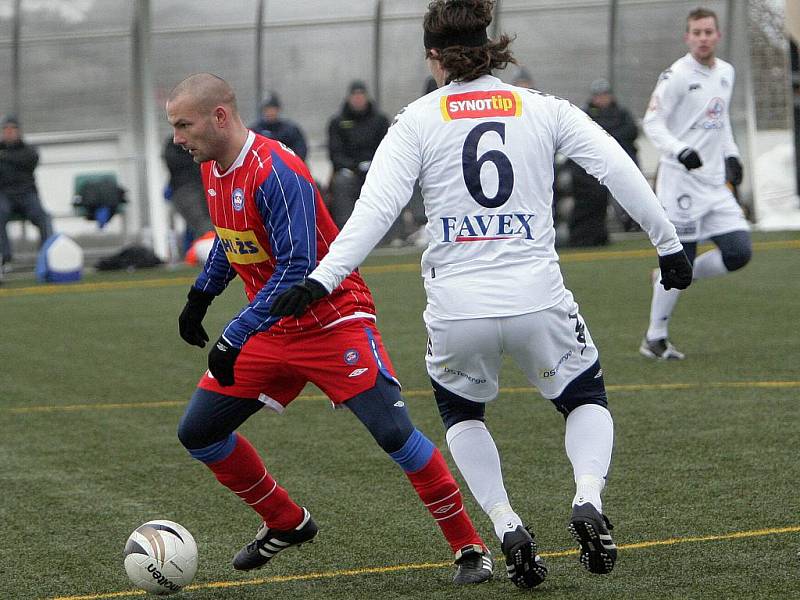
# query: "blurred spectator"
186, 189
430, 85
522, 78
18, 193
612, 117
274, 127
353, 136
587, 224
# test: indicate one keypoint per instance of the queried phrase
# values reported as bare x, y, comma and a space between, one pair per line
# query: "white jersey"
690, 108
483, 152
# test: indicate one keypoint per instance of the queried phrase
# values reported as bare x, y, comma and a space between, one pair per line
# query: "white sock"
476, 456
589, 439
661, 308
709, 264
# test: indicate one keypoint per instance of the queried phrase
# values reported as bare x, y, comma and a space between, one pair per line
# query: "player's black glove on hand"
733, 170
690, 159
221, 360
190, 322
676, 270
296, 299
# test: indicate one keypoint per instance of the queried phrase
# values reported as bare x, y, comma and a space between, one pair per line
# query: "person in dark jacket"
523, 78
186, 189
587, 225
353, 137
18, 193
287, 132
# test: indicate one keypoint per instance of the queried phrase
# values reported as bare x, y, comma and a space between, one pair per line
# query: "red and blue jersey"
272, 230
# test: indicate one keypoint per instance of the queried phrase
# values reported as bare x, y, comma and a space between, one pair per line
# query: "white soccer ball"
161, 557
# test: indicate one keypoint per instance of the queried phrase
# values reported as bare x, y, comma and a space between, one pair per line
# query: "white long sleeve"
663, 102
690, 108
483, 152
387, 189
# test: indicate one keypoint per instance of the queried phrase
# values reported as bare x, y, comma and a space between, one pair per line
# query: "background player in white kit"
483, 152
688, 120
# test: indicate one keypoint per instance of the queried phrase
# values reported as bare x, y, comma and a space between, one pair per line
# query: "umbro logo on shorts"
357, 372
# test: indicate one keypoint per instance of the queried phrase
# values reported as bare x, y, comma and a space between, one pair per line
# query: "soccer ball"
161, 557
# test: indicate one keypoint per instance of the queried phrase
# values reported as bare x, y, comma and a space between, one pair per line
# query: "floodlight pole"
728, 39
376, 53
15, 70
148, 146
612, 43
496, 21
744, 121
259, 74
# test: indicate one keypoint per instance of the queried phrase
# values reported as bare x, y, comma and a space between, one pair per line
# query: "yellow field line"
615, 254
570, 256
627, 387
582, 256
438, 565
102, 406
100, 286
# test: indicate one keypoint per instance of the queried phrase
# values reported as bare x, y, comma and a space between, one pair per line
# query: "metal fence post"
16, 78
148, 145
376, 52
612, 43
259, 66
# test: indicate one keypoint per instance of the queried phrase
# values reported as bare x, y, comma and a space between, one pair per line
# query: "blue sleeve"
287, 204
217, 272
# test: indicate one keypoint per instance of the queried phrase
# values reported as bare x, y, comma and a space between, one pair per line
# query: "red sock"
243, 472
438, 490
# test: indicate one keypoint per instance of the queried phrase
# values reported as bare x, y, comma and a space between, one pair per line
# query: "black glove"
296, 299
190, 322
690, 159
676, 270
733, 170
221, 360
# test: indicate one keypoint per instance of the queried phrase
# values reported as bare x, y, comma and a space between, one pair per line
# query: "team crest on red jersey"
238, 199
351, 356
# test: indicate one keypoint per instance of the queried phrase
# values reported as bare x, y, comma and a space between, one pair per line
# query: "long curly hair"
465, 63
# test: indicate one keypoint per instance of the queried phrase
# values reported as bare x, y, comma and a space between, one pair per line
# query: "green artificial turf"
702, 488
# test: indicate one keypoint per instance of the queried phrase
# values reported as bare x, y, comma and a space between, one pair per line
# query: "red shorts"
342, 361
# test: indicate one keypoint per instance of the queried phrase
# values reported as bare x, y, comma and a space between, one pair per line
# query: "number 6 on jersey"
472, 166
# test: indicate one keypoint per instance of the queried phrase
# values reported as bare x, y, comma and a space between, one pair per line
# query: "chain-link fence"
75, 65
75, 62
74, 59
770, 68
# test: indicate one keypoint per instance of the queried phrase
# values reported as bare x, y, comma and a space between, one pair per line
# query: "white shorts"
698, 210
551, 346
